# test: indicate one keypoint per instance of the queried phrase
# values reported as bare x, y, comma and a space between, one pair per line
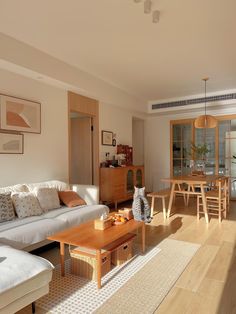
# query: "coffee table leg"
99, 268
62, 256
143, 237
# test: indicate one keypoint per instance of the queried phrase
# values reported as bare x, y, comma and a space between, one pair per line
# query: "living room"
136, 66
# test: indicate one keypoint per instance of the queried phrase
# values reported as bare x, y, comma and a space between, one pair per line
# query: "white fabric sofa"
24, 278
32, 232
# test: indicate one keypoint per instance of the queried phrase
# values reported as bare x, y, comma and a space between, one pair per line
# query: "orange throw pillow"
71, 198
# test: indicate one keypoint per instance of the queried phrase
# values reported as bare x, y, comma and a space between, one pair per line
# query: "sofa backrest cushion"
58, 185
26, 204
71, 198
6, 207
48, 198
14, 188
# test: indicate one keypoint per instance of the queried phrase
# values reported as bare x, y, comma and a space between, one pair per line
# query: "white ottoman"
24, 278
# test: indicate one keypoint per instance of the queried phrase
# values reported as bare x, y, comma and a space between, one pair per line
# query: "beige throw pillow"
26, 204
6, 207
48, 198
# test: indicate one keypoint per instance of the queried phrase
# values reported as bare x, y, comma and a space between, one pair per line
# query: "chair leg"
198, 209
225, 208
189, 189
164, 207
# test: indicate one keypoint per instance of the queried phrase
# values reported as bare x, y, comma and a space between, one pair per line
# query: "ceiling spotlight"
147, 6
155, 16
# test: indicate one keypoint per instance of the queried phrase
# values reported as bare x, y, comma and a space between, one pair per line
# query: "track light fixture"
147, 7
155, 16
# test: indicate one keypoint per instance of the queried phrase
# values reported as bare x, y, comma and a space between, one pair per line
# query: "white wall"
46, 154
138, 141
118, 121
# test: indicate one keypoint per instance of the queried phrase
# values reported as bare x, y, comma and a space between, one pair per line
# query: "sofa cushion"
71, 198
30, 230
17, 267
77, 215
47, 197
14, 188
26, 204
59, 185
6, 207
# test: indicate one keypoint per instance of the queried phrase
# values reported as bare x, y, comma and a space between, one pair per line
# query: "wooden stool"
163, 194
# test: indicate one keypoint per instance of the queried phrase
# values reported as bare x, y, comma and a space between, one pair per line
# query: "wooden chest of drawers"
117, 184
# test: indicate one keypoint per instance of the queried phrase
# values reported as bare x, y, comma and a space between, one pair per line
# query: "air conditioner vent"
194, 101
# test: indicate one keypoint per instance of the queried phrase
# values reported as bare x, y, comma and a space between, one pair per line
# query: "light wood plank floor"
208, 283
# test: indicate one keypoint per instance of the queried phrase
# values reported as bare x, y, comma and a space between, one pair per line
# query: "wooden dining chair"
216, 200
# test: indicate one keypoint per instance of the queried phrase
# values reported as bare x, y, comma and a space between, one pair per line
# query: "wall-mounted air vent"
194, 101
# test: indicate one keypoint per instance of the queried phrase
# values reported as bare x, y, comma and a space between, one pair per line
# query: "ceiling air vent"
193, 101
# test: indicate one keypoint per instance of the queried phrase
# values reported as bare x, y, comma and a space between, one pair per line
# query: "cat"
140, 207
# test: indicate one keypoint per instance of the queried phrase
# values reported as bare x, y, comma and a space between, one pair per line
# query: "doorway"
81, 148
83, 132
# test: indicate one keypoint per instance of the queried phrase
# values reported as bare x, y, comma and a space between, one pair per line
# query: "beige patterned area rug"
138, 286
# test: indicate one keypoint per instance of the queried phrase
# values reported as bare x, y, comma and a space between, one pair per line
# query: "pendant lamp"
205, 121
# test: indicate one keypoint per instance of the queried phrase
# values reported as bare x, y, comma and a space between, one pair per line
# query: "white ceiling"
114, 40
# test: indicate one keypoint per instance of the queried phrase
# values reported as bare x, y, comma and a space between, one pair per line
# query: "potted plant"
198, 153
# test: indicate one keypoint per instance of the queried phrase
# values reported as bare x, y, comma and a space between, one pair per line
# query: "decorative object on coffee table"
127, 213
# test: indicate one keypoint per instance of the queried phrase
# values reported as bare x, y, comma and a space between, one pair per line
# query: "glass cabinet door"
230, 159
139, 178
207, 136
181, 148
130, 181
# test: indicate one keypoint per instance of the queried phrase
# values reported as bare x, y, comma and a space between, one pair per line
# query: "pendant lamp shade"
205, 121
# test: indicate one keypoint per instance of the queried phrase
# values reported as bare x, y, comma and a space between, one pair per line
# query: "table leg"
164, 207
204, 204
99, 268
171, 199
143, 237
62, 258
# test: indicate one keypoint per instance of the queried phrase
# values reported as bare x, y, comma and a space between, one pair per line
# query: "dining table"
190, 185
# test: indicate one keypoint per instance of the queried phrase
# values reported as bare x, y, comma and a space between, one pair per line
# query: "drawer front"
118, 193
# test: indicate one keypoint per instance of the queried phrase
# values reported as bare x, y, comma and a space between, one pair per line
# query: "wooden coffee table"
86, 236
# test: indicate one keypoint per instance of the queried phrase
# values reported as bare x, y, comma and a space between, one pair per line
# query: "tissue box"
102, 224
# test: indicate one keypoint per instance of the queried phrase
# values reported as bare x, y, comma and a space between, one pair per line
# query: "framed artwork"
107, 138
20, 115
11, 143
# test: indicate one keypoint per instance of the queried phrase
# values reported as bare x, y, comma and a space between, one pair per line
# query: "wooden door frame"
89, 107
191, 121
